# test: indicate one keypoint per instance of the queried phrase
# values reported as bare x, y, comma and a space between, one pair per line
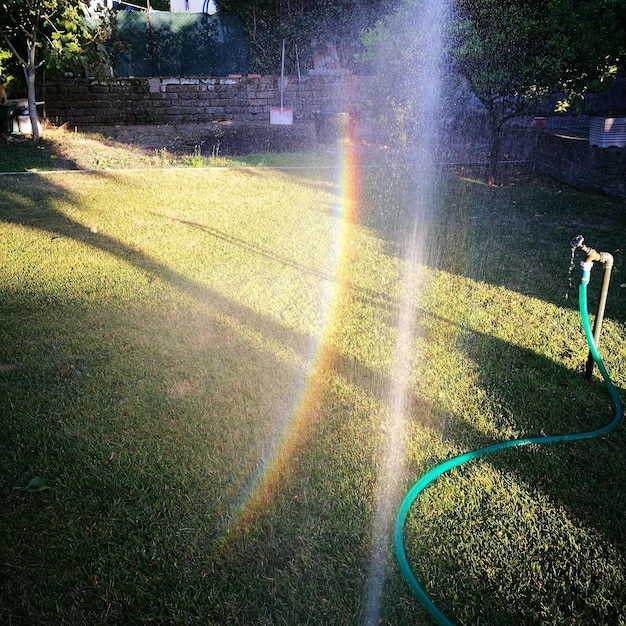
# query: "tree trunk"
495, 135
31, 74
32, 102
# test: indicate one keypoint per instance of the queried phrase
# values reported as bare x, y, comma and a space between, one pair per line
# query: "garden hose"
437, 471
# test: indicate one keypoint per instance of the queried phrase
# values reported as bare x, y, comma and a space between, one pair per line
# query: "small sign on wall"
280, 115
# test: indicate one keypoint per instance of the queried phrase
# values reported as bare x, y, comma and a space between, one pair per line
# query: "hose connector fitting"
603, 257
586, 271
592, 255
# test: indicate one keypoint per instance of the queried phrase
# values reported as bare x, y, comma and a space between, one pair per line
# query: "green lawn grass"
61, 149
194, 386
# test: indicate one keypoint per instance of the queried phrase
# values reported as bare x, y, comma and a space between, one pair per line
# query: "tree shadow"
581, 480
564, 403
516, 235
122, 442
44, 217
18, 153
364, 294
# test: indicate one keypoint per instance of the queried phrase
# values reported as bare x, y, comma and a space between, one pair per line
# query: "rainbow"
301, 413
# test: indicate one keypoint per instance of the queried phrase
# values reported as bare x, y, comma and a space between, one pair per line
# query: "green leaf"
36, 484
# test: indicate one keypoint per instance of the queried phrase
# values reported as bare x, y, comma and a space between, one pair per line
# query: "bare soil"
212, 139
153, 145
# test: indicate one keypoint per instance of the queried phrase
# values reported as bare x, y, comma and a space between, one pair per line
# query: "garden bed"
223, 138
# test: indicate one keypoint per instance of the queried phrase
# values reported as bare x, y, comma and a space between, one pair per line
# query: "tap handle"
577, 242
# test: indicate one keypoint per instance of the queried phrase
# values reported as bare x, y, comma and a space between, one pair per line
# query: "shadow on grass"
364, 294
42, 216
516, 235
141, 466
529, 579
583, 476
144, 501
19, 154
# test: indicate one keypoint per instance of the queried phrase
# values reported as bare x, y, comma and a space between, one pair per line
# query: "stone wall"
573, 161
84, 102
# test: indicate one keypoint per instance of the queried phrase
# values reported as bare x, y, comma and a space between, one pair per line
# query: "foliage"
55, 28
5, 56
302, 24
396, 48
513, 54
50, 33
407, 53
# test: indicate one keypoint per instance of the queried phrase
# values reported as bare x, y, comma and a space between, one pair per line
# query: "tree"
397, 49
300, 23
47, 32
516, 54
513, 54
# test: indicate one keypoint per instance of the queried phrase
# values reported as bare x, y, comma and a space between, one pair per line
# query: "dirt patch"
212, 139
167, 145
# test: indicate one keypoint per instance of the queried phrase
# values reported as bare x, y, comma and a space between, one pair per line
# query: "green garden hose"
437, 471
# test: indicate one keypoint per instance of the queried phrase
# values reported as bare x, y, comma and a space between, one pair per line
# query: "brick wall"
84, 102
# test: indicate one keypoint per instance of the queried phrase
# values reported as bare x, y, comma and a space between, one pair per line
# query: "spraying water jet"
423, 88
586, 266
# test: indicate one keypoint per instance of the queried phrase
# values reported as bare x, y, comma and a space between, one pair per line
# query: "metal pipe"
607, 259
597, 324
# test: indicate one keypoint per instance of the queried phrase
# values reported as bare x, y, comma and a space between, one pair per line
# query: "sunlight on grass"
168, 336
64, 149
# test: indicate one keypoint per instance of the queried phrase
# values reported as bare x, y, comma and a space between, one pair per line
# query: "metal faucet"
607, 259
592, 255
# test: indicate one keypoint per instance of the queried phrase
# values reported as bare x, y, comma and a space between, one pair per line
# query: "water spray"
430, 476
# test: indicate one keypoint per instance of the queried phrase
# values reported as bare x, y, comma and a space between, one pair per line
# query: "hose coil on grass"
444, 467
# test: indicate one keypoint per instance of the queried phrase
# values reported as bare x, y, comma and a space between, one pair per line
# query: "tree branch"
14, 51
